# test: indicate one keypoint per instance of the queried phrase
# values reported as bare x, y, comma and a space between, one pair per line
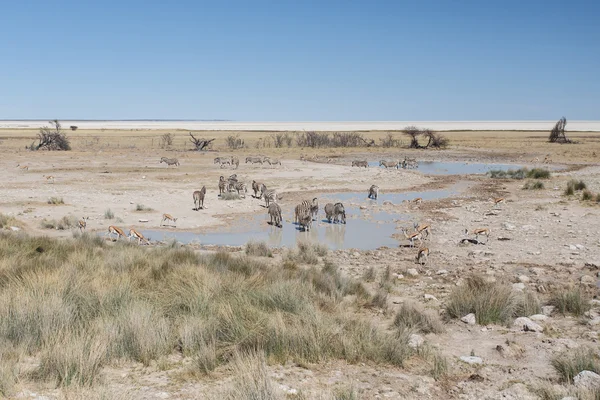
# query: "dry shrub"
282, 139
537, 185
258, 249
166, 140
586, 195
234, 142
251, 378
527, 304
66, 222
56, 200
572, 301
230, 196
491, 302
411, 316
570, 363
307, 253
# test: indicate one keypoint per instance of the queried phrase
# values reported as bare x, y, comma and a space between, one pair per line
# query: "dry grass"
66, 222
307, 253
490, 302
258, 249
8, 221
141, 207
251, 379
568, 364
56, 200
572, 301
527, 304
79, 304
411, 316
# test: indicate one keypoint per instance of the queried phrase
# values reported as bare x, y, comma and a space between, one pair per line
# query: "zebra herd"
407, 163
263, 160
232, 161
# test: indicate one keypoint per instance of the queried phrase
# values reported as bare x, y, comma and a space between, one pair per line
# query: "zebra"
235, 161
305, 207
240, 187
223, 161
169, 161
373, 192
269, 195
221, 185
199, 198
275, 214
339, 213
329, 210
359, 163
272, 161
254, 160
314, 209
388, 164
305, 221
256, 188
409, 163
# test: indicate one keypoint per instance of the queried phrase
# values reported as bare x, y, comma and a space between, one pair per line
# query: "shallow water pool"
455, 168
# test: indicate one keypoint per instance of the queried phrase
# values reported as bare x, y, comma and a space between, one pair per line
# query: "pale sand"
572, 126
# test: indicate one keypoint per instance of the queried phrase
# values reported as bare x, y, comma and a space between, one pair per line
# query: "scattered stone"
412, 272
524, 279
472, 360
593, 264
528, 227
415, 341
588, 280
430, 297
518, 286
15, 228
442, 272
143, 220
388, 203
363, 207
538, 317
587, 380
508, 227
579, 247
527, 325
399, 276
572, 248
594, 321
469, 319
518, 391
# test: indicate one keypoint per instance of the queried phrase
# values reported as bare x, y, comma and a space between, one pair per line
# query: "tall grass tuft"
307, 253
531, 185
108, 214
439, 368
66, 222
527, 304
572, 301
490, 302
586, 195
258, 249
251, 378
141, 207
538, 173
570, 363
412, 317
574, 186
56, 200
521, 173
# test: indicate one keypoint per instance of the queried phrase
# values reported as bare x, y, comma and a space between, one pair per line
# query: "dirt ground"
552, 242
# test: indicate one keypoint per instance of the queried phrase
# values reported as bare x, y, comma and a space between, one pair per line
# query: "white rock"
524, 279
548, 310
142, 220
594, 321
588, 280
412, 272
471, 360
415, 340
527, 325
587, 380
518, 286
399, 276
508, 227
572, 248
363, 207
442, 272
430, 297
579, 247
469, 319
528, 227
15, 228
538, 317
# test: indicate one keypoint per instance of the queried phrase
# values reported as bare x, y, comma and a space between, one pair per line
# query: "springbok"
169, 217
82, 224
117, 231
480, 232
423, 255
412, 237
137, 235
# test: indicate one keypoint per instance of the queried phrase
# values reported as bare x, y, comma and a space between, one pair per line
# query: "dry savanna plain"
341, 312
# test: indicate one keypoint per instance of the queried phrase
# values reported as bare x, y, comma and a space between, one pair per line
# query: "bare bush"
51, 138
234, 142
338, 139
557, 134
312, 139
282, 139
390, 141
434, 140
201, 143
166, 140
413, 133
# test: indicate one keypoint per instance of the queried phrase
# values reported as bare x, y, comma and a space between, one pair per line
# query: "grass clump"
531, 185
521, 173
570, 363
586, 195
572, 301
439, 368
346, 393
8, 221
252, 380
574, 186
258, 249
527, 304
66, 222
230, 196
491, 302
307, 253
56, 200
108, 214
412, 317
141, 207
538, 173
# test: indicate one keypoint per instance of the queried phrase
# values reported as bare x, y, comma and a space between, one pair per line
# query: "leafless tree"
435, 140
51, 138
413, 133
557, 134
166, 140
234, 142
200, 144
73, 127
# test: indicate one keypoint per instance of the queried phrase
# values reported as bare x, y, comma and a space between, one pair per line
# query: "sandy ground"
554, 242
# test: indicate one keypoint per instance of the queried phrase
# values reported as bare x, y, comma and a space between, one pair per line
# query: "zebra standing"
235, 161
359, 163
305, 221
272, 161
223, 161
199, 198
256, 188
169, 161
373, 192
231, 182
314, 209
270, 195
306, 207
275, 214
240, 187
221, 185
329, 209
388, 164
339, 213
254, 160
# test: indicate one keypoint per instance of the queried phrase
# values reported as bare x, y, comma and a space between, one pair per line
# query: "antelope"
418, 200
82, 224
412, 237
480, 232
137, 235
169, 217
423, 254
49, 178
422, 228
23, 167
547, 159
117, 231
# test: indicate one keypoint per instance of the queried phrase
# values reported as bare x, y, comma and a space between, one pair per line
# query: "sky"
285, 60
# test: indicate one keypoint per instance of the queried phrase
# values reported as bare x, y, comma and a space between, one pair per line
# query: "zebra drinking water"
373, 192
275, 214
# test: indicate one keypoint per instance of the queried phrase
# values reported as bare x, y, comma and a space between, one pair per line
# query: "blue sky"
300, 60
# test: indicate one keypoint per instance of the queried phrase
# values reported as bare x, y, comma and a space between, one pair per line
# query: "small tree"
434, 140
166, 140
413, 133
557, 134
234, 142
200, 144
51, 138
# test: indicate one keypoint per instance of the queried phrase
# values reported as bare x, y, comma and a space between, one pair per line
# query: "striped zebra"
409, 163
329, 209
359, 163
235, 161
388, 164
223, 161
222, 185
306, 207
339, 213
305, 221
270, 195
169, 161
373, 192
240, 187
275, 214
256, 188
254, 160
272, 161
199, 198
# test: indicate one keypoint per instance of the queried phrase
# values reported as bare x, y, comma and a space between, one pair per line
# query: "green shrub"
538, 173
